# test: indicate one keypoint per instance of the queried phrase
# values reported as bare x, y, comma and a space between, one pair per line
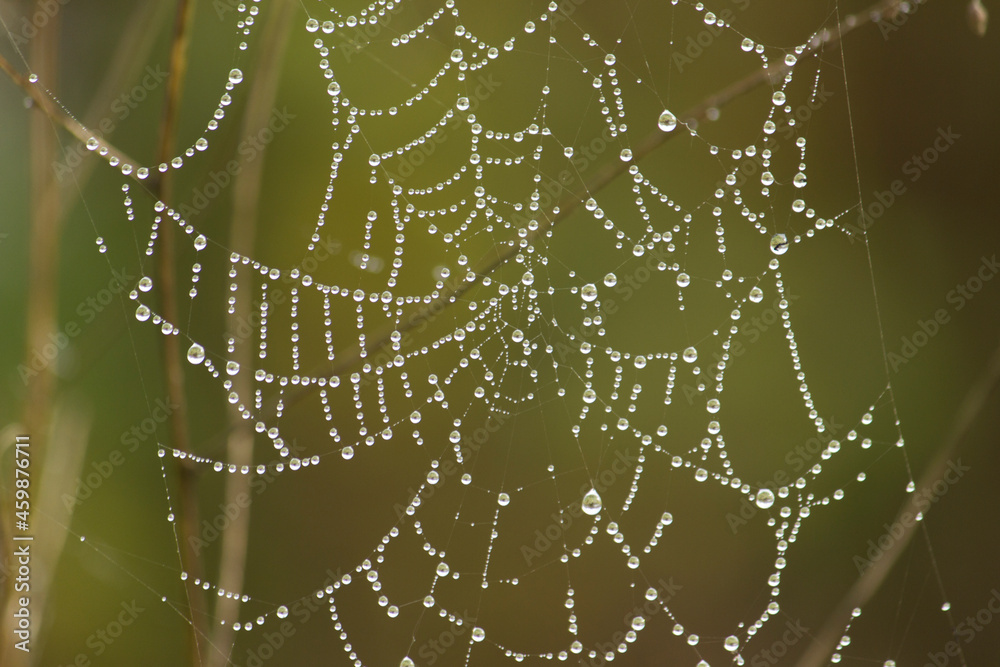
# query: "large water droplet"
610, 280
589, 292
235, 75
732, 643
282, 612
592, 502
765, 498
478, 634
690, 355
232, 368
667, 121
779, 244
196, 353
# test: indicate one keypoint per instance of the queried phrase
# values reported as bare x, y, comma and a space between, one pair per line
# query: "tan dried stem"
242, 237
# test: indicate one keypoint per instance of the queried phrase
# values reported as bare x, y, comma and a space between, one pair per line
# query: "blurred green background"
905, 87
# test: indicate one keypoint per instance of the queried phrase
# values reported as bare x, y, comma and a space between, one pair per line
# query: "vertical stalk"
162, 188
42, 303
242, 238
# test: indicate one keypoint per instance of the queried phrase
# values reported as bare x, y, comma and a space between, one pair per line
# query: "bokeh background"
927, 76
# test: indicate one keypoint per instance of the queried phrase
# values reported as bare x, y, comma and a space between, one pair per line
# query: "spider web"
576, 384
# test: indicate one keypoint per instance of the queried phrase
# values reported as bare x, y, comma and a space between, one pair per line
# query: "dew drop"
610, 280
592, 502
690, 355
282, 612
683, 280
200, 242
589, 395
145, 283
232, 368
756, 294
347, 452
196, 354
478, 634
589, 292
667, 121
375, 160
626, 155
142, 313
503, 500
235, 75
443, 569
765, 498
779, 244
732, 643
